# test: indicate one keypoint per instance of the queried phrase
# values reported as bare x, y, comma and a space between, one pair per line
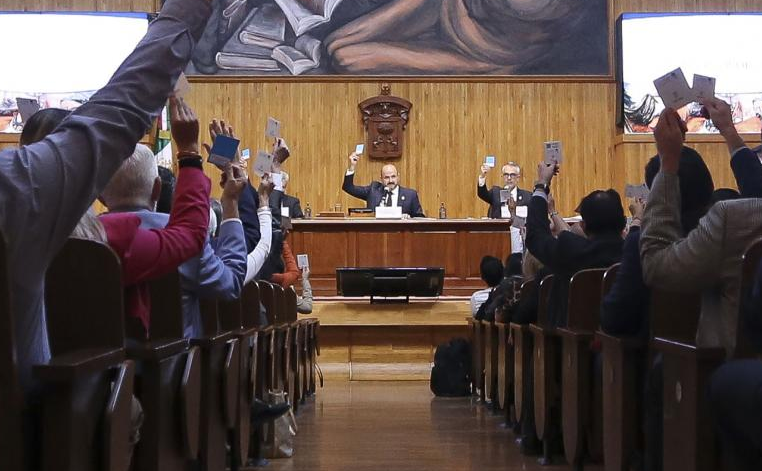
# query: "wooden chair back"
250, 305
546, 285
267, 297
584, 306
83, 297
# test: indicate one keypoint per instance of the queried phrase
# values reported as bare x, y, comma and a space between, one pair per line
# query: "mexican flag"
163, 147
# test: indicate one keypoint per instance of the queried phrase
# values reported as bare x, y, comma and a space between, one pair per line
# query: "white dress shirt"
395, 196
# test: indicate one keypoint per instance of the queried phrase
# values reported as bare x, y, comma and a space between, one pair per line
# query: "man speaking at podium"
387, 192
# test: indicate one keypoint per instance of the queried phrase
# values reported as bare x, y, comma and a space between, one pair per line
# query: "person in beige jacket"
709, 258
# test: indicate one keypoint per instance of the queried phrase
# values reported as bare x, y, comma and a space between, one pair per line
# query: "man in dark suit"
602, 221
291, 202
511, 176
387, 192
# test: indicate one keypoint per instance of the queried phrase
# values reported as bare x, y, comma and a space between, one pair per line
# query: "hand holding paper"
674, 90
263, 164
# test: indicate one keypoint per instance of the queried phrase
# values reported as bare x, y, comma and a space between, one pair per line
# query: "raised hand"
637, 208
265, 188
720, 113
670, 135
545, 172
484, 170
217, 128
234, 181
184, 125
353, 158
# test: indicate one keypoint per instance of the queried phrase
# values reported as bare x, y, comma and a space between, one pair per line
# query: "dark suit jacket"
566, 255
748, 172
492, 196
293, 205
624, 310
374, 193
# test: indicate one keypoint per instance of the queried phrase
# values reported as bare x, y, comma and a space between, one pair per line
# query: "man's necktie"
388, 198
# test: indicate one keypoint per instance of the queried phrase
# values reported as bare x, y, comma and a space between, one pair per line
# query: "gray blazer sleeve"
671, 262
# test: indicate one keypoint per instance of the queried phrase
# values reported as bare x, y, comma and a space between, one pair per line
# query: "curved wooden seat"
546, 345
580, 433
88, 383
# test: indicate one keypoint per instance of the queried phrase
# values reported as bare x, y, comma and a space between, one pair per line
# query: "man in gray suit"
709, 257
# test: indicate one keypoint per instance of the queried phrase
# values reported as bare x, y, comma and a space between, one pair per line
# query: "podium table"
458, 245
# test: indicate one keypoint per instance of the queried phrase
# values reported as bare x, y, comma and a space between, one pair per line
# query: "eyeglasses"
512, 175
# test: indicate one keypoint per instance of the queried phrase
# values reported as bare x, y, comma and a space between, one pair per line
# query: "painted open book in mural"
405, 37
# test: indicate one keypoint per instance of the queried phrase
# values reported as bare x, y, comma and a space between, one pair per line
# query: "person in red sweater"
291, 273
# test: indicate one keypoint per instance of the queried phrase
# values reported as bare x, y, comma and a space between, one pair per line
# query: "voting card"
263, 163
182, 86
27, 107
277, 181
489, 161
359, 149
302, 260
273, 128
223, 151
553, 152
636, 191
245, 155
703, 87
673, 89
285, 212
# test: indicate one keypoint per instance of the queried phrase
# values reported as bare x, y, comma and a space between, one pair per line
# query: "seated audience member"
168, 181
218, 271
290, 274
48, 185
304, 300
602, 222
491, 270
709, 257
624, 310
256, 259
290, 202
147, 248
736, 394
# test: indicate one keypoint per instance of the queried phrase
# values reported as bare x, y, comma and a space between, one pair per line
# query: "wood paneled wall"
452, 127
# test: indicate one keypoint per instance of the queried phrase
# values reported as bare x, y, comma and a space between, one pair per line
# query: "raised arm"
669, 261
747, 168
349, 186
258, 255
481, 186
222, 272
291, 274
47, 186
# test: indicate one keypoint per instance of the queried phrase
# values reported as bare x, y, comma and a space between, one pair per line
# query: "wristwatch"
542, 187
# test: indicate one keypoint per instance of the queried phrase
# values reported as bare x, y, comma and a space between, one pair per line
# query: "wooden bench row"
196, 394
598, 414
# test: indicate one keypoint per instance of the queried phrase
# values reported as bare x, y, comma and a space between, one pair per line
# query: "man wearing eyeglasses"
498, 205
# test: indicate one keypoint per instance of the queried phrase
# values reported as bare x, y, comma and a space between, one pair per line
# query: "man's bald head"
389, 176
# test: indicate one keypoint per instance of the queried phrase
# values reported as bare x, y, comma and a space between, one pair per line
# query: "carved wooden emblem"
385, 118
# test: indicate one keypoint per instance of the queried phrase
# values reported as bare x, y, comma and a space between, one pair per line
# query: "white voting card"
636, 191
505, 212
359, 149
673, 89
553, 152
703, 87
521, 211
273, 128
489, 161
302, 260
263, 163
389, 212
278, 181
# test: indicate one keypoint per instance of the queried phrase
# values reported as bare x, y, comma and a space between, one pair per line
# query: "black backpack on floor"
451, 375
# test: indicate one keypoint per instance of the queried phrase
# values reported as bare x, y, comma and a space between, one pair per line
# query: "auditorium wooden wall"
453, 125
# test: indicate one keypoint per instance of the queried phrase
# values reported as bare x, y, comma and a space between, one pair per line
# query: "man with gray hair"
218, 271
290, 206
